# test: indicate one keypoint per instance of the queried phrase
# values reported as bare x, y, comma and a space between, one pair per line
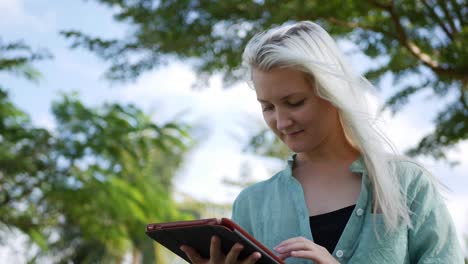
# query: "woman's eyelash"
267, 108
297, 103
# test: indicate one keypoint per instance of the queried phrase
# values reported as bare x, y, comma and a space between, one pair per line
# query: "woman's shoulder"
414, 177
408, 169
262, 188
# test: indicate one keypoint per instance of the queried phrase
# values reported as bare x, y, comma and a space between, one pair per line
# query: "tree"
25, 167
424, 38
118, 167
25, 170
18, 58
85, 191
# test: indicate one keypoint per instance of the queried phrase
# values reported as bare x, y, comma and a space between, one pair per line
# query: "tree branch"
354, 25
464, 99
382, 5
448, 16
403, 38
456, 8
415, 50
6, 199
438, 19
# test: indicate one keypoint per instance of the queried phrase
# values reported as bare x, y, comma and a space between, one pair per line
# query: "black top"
327, 228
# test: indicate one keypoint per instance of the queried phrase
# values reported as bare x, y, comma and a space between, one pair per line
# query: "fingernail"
257, 255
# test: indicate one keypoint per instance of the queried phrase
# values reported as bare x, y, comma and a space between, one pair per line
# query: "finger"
291, 240
305, 254
254, 257
297, 245
284, 256
233, 254
192, 254
215, 250
316, 256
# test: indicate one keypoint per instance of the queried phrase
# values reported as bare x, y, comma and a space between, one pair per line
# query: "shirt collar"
357, 166
291, 159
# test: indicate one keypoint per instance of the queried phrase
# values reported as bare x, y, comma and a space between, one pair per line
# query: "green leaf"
38, 238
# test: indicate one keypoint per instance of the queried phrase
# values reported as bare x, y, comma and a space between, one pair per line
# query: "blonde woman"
345, 196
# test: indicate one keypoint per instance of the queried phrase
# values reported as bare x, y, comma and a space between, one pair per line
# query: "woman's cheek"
269, 120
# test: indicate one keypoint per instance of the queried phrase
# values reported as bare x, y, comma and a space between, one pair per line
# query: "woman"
344, 197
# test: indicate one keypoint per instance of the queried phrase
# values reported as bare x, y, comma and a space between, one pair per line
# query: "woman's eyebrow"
281, 99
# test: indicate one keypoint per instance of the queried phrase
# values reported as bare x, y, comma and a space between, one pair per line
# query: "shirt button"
359, 212
339, 253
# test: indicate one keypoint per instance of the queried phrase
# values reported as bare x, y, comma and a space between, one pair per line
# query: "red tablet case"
197, 234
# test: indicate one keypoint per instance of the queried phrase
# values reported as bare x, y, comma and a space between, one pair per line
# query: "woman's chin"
296, 148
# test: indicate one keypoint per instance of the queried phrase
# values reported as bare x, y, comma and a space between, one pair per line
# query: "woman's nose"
283, 120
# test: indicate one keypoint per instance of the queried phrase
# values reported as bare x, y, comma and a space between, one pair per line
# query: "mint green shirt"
275, 210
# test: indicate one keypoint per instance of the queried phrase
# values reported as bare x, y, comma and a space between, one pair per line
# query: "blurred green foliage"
422, 44
84, 191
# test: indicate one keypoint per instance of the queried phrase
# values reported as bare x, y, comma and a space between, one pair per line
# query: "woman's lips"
295, 133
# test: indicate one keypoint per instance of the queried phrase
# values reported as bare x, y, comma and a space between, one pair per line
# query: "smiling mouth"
294, 133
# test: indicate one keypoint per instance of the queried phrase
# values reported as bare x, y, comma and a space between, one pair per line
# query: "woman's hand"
217, 257
300, 247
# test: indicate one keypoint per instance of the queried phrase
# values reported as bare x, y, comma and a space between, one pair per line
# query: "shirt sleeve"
433, 238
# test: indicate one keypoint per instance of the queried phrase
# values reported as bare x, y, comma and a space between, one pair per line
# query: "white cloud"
12, 8
17, 249
16, 17
222, 112
165, 92
45, 121
404, 130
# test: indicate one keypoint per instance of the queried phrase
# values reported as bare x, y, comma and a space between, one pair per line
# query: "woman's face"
292, 110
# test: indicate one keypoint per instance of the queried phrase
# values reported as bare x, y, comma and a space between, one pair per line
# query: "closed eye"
267, 108
296, 104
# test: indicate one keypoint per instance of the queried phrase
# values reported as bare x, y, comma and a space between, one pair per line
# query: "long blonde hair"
308, 47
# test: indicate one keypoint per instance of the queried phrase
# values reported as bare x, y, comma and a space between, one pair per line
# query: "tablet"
197, 234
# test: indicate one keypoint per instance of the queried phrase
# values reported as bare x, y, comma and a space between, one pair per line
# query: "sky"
227, 117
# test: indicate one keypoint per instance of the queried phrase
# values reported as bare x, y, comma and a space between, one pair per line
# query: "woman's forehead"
280, 82
280, 75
